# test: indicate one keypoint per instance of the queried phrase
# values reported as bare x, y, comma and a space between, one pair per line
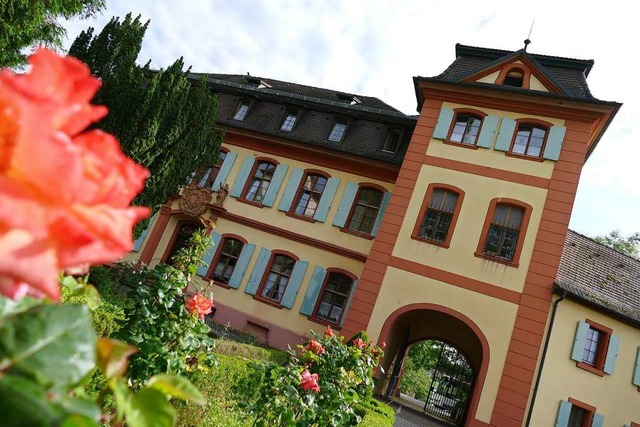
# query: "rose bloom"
328, 332
64, 195
315, 347
199, 304
359, 343
309, 381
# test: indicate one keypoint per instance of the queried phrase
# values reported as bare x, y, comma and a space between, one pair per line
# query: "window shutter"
241, 179
443, 124
137, 245
554, 143
612, 354
258, 271
326, 199
274, 186
291, 189
562, 419
344, 207
598, 420
381, 209
241, 265
636, 370
488, 131
348, 304
505, 135
297, 275
223, 174
208, 256
315, 285
578, 343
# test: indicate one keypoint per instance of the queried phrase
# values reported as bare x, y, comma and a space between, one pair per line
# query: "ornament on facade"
194, 200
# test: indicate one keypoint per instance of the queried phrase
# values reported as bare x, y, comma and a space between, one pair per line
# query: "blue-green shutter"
140, 240
223, 174
295, 280
291, 189
243, 174
577, 353
343, 317
241, 265
636, 370
344, 207
258, 271
488, 131
564, 410
208, 256
381, 209
315, 285
598, 420
443, 124
327, 198
612, 354
505, 135
554, 143
274, 185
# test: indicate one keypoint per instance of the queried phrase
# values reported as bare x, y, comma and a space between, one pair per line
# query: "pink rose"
315, 347
328, 332
359, 343
64, 195
199, 304
309, 381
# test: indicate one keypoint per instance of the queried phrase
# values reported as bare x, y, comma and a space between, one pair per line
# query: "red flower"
309, 381
359, 343
315, 347
328, 332
64, 195
199, 304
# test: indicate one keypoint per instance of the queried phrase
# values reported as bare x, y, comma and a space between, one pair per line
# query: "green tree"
26, 23
627, 245
163, 119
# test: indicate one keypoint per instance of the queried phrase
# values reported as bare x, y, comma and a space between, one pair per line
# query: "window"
595, 348
226, 260
574, 413
181, 236
466, 129
241, 112
440, 210
333, 297
208, 175
262, 175
289, 121
309, 195
277, 277
529, 140
392, 141
338, 130
365, 210
515, 78
504, 230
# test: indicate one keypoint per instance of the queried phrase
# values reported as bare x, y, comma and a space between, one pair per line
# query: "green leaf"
53, 343
24, 403
83, 407
176, 386
91, 296
113, 356
71, 283
9, 307
121, 393
76, 420
149, 408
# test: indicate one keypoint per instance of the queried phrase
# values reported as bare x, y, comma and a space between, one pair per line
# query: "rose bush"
64, 193
199, 305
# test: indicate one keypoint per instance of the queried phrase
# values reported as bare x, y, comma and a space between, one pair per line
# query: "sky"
376, 47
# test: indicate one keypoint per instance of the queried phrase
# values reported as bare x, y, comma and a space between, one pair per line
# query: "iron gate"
451, 381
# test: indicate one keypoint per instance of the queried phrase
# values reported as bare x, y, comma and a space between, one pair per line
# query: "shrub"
416, 382
375, 413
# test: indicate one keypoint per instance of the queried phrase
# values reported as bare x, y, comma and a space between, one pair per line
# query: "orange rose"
309, 381
64, 195
199, 304
315, 347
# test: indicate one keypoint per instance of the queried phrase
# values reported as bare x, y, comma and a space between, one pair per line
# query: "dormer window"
338, 130
391, 141
257, 83
289, 121
241, 112
515, 78
351, 99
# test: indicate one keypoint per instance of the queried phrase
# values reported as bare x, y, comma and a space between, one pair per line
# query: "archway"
418, 322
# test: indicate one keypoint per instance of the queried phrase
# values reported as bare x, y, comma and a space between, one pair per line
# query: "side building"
337, 209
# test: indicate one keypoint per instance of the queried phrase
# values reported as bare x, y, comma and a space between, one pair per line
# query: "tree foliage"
627, 245
164, 120
25, 23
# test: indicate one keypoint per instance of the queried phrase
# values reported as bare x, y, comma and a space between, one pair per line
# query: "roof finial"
527, 41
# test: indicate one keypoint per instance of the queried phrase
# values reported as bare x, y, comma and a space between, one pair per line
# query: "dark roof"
600, 275
567, 73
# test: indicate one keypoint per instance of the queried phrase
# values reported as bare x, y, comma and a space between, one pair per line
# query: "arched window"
333, 297
504, 232
181, 236
261, 178
226, 259
514, 77
529, 140
207, 175
365, 210
309, 194
466, 128
277, 277
440, 210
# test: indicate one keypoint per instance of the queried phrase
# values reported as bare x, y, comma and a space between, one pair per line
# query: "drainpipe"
563, 295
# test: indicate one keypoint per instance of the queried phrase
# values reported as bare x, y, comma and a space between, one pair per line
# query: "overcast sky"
374, 48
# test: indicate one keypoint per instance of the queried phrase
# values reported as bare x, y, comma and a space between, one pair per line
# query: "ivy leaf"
176, 386
53, 343
149, 408
113, 356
